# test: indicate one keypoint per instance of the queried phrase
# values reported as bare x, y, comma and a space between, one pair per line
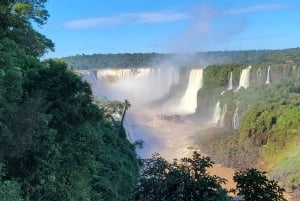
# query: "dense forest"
56, 143
98, 61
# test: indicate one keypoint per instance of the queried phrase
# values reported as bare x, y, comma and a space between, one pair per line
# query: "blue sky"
166, 26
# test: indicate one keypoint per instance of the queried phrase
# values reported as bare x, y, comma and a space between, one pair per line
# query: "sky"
170, 26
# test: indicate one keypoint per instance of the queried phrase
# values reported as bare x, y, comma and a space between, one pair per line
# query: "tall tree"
185, 181
16, 24
127, 105
254, 185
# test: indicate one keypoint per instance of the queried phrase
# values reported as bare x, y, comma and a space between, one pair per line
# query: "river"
168, 138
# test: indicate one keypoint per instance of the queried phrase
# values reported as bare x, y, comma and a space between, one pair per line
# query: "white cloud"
93, 22
159, 17
253, 9
125, 18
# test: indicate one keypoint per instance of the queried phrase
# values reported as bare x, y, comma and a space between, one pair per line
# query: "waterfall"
188, 102
173, 76
268, 76
128, 129
91, 78
230, 82
258, 76
235, 118
217, 114
112, 75
143, 72
245, 78
222, 116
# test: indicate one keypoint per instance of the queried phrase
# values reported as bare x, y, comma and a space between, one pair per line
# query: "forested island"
60, 144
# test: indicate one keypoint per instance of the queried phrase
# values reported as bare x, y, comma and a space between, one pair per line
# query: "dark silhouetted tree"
254, 185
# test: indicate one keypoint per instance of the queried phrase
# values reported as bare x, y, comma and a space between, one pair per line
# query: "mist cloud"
209, 24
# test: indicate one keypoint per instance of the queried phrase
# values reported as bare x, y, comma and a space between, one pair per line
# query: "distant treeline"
133, 60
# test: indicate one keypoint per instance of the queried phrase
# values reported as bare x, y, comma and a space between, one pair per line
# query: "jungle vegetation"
135, 60
56, 143
268, 118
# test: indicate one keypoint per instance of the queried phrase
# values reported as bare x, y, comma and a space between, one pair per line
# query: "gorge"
232, 112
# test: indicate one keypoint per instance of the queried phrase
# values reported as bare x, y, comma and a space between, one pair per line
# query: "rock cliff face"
259, 118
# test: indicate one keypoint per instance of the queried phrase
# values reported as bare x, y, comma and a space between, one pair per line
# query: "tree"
127, 105
55, 142
16, 24
254, 185
185, 181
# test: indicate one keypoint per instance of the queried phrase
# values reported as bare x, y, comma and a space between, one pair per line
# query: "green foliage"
254, 185
10, 191
269, 122
96, 61
126, 106
188, 180
217, 76
16, 18
54, 141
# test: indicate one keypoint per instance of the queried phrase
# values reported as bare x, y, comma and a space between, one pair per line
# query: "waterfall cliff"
217, 114
188, 102
268, 76
222, 116
235, 118
230, 82
245, 78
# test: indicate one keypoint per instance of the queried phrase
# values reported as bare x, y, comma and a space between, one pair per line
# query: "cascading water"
222, 116
137, 84
258, 76
113, 75
245, 78
91, 78
230, 82
188, 102
235, 118
143, 72
217, 114
268, 76
172, 76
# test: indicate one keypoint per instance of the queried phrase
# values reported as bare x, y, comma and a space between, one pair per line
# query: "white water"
258, 76
143, 73
268, 76
188, 102
235, 118
230, 82
112, 75
217, 114
245, 78
90, 77
138, 85
222, 116
173, 76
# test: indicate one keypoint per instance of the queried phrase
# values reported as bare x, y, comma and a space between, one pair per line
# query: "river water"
168, 138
